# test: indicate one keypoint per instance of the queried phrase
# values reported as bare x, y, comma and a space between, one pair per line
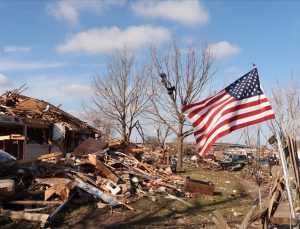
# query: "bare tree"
106, 127
120, 94
186, 75
162, 133
285, 100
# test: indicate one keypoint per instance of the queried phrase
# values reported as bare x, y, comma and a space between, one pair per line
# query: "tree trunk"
124, 135
179, 151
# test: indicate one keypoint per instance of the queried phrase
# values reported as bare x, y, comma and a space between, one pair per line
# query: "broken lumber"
96, 192
24, 161
7, 187
33, 202
90, 145
128, 151
85, 178
219, 221
24, 215
114, 145
53, 181
61, 190
104, 169
17, 137
59, 208
247, 218
35, 209
169, 196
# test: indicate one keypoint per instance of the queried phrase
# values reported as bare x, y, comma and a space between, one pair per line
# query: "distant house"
30, 127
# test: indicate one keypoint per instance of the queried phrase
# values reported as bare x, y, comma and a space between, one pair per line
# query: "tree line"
128, 94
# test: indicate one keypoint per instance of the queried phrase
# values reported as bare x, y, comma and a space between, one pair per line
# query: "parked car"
6, 157
239, 159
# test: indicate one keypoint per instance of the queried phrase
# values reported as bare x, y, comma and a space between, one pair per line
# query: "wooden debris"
117, 144
58, 209
90, 145
96, 192
53, 181
16, 137
25, 215
197, 186
169, 196
33, 202
219, 221
104, 169
246, 220
277, 211
7, 187
25, 161
41, 182
282, 215
61, 190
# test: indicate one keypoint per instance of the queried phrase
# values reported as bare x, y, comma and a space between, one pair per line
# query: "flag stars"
245, 87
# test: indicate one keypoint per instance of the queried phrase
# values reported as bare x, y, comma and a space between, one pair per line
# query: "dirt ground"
233, 197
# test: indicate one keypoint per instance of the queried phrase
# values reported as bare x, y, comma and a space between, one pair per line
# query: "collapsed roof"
32, 111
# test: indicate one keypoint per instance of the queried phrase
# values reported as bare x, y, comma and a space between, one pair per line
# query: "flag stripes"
225, 112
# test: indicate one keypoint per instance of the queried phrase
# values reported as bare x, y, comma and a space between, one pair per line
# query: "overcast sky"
56, 47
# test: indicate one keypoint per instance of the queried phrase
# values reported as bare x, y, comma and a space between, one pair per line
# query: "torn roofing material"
34, 111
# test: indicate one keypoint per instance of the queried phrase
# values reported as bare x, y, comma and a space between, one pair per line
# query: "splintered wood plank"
34, 202
90, 145
282, 215
25, 215
247, 218
24, 161
103, 168
7, 187
219, 221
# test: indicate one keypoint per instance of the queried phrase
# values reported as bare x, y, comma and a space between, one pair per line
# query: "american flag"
241, 104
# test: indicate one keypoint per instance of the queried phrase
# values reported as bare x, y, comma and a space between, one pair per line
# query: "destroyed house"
30, 127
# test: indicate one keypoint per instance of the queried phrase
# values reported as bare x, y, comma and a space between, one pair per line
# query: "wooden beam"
25, 215
58, 209
34, 202
219, 221
12, 137
247, 218
104, 169
7, 187
96, 192
24, 161
282, 215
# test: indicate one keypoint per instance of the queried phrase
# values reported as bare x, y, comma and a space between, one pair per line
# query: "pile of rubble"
109, 172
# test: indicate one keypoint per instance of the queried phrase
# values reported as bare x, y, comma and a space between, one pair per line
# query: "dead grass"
169, 212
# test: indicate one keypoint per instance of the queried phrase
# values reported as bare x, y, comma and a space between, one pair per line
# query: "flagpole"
286, 177
258, 168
